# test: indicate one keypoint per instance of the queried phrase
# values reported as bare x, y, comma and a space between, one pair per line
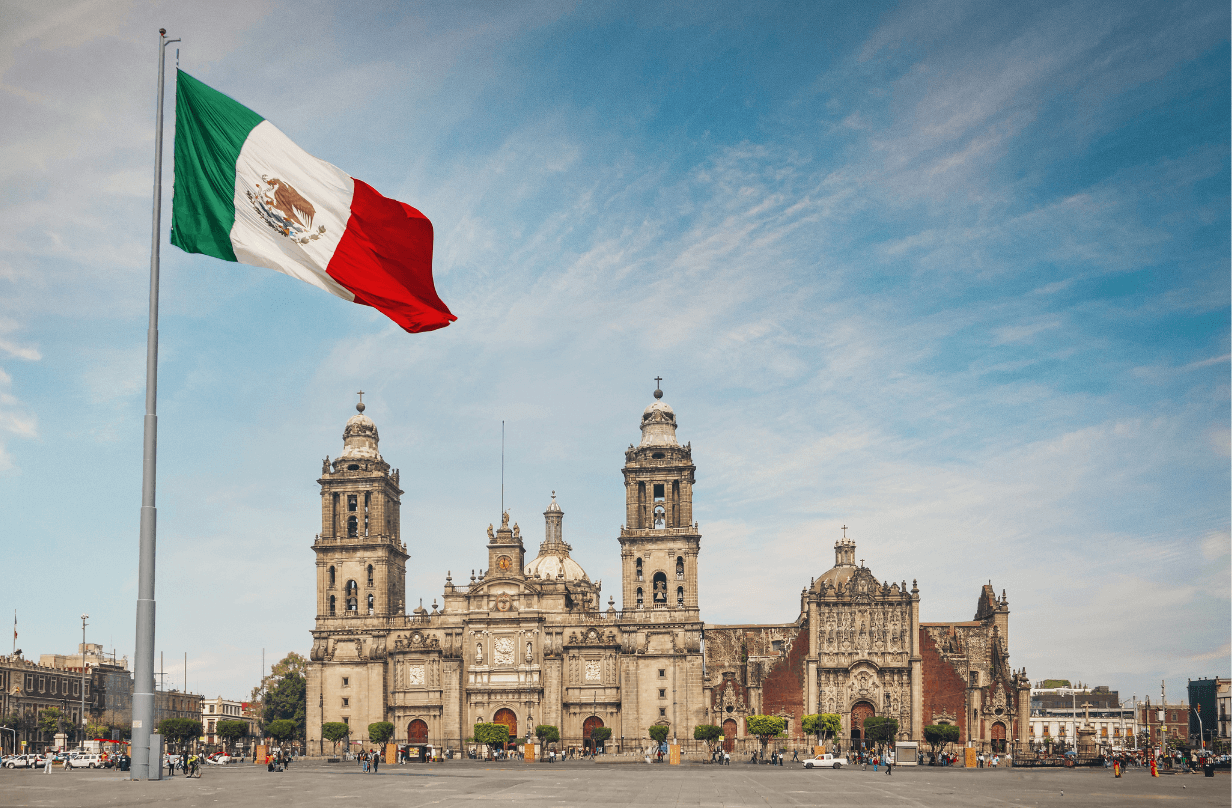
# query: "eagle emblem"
285, 210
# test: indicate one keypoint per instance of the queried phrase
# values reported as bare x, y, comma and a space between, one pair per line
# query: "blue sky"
954, 275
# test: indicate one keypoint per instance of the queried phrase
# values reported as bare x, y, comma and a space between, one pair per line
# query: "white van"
85, 761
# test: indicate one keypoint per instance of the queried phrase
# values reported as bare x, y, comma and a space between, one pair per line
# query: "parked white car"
219, 760
823, 762
85, 761
19, 762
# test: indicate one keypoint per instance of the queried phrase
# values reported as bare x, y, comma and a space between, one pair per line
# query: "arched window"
680, 596
660, 518
638, 566
679, 568
352, 526
660, 589
333, 605
369, 575
639, 597
332, 575
371, 604
352, 588
367, 504
641, 505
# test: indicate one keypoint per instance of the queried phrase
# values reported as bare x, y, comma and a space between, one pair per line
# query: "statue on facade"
530, 656
478, 653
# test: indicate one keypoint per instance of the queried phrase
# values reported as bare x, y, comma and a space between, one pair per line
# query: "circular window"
353, 467
730, 708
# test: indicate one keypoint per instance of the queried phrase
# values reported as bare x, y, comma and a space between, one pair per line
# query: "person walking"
376, 761
889, 762
47, 760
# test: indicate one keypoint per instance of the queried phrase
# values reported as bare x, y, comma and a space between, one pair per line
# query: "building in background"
1170, 720
174, 704
1223, 696
109, 699
28, 688
1058, 712
220, 709
1210, 723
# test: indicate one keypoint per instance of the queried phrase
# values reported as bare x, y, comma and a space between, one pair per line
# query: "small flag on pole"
245, 192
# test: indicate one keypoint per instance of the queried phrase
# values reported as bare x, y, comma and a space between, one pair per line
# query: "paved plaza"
307, 785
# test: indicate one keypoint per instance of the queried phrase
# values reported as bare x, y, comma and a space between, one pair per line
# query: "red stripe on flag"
385, 259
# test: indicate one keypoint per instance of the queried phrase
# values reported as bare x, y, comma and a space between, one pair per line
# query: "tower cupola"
360, 438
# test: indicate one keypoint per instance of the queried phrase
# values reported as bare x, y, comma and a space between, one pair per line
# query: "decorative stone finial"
658, 393
360, 406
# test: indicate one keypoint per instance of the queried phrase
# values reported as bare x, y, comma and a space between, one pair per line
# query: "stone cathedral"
528, 641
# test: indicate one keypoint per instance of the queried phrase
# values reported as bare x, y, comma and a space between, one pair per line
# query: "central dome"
553, 561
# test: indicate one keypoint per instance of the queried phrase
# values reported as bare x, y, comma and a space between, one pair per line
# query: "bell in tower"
659, 542
361, 560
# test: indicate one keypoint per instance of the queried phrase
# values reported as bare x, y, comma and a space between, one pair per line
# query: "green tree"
492, 734
708, 733
283, 694
335, 731
231, 731
380, 732
765, 727
179, 731
49, 720
938, 735
546, 733
880, 729
282, 730
97, 731
658, 732
601, 734
823, 725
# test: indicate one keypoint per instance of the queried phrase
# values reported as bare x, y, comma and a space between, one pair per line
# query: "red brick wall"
944, 690
783, 687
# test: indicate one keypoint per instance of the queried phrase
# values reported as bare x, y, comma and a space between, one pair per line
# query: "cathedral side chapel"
526, 642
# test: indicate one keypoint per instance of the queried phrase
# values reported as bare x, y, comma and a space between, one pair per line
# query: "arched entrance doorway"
729, 735
998, 737
417, 732
590, 724
859, 712
505, 716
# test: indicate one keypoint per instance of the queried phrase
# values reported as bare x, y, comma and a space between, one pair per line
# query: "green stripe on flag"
210, 130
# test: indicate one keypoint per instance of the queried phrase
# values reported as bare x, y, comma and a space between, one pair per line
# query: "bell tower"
659, 542
506, 554
361, 559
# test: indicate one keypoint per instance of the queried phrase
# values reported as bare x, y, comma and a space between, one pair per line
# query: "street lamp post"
83, 677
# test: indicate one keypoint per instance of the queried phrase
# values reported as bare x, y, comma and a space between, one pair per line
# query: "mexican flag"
244, 192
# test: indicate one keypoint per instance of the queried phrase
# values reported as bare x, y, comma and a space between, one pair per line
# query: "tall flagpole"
143, 684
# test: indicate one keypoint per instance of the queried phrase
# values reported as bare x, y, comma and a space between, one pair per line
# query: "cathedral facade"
529, 642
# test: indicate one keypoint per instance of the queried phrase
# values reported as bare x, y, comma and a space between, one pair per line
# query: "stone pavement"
469, 783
